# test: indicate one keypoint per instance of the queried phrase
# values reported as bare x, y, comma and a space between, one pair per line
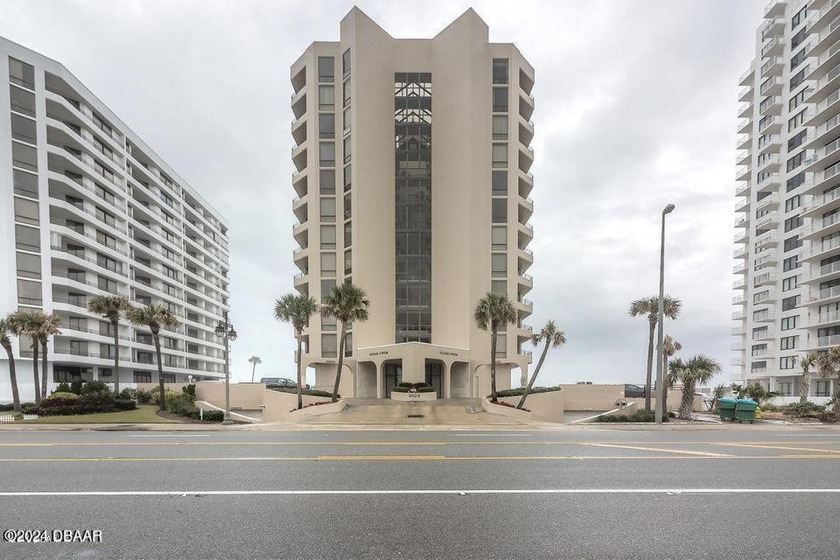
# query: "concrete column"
447, 381
380, 378
771, 383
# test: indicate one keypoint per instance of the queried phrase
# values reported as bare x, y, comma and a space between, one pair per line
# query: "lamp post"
225, 330
660, 383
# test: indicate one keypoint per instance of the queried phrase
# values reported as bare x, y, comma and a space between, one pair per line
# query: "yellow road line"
678, 451
395, 443
784, 448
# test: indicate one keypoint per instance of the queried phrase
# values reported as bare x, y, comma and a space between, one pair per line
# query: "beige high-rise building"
412, 181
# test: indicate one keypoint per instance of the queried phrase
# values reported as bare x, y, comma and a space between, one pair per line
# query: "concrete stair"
461, 412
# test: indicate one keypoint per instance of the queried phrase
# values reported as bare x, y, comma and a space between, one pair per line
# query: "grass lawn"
144, 414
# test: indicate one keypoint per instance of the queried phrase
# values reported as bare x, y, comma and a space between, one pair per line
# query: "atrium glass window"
326, 69
500, 71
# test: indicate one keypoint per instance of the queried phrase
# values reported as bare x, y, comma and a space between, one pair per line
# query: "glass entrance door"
434, 377
393, 377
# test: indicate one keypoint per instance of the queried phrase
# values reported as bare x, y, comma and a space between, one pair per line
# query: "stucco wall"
243, 396
278, 405
549, 407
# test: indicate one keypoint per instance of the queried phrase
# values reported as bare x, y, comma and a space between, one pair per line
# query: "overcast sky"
636, 105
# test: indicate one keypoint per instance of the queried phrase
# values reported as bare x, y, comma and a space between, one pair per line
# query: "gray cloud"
636, 107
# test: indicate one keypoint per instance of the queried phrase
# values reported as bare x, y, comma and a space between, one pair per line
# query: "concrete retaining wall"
278, 405
243, 396
546, 407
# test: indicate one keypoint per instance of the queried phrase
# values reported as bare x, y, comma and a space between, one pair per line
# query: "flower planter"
413, 397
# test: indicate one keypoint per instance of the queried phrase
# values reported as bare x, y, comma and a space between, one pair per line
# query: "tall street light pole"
660, 382
225, 330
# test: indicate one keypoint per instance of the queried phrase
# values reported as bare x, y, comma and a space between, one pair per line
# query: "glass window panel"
345, 62
348, 234
326, 69
326, 288
27, 238
347, 149
500, 183
499, 210
326, 126
346, 92
500, 155
348, 177
327, 181
500, 127
25, 157
326, 97
327, 237
500, 100
28, 266
29, 293
25, 183
347, 119
22, 101
499, 264
327, 154
21, 73
24, 129
499, 237
328, 264
498, 286
329, 345
327, 209
26, 211
500, 71
348, 262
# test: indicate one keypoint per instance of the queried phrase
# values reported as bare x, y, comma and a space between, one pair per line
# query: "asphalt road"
593, 493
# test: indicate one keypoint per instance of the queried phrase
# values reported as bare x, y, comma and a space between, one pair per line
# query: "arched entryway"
391, 376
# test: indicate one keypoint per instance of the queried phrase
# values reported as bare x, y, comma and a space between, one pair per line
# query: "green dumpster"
726, 407
745, 410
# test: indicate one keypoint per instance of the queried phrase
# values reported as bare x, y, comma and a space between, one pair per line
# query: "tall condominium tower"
412, 181
87, 208
788, 240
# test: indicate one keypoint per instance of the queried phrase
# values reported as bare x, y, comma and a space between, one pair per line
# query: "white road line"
507, 434
432, 492
171, 435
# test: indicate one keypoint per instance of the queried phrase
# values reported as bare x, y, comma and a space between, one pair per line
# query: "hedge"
518, 392
87, 404
307, 392
638, 416
402, 389
417, 385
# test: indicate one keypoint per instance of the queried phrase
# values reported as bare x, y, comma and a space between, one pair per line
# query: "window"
22, 101
797, 39
26, 184
326, 126
168, 377
790, 303
348, 344
500, 71
500, 183
346, 93
24, 129
759, 332
797, 119
791, 263
500, 127
345, 63
789, 323
327, 237
107, 262
25, 157
795, 102
500, 100
327, 154
792, 223
28, 266
788, 342
347, 117
328, 264
329, 345
106, 350
789, 283
498, 286
29, 293
792, 243
792, 203
501, 345
788, 362
758, 367
326, 69
26, 211
106, 284
796, 60
758, 350
499, 265
105, 239
79, 347
761, 296
326, 288
500, 155
499, 210
784, 388
21, 73
348, 262
326, 97
797, 81
348, 234
106, 217
348, 151
328, 324
499, 237
27, 238
326, 181
795, 161
798, 18
348, 177
142, 377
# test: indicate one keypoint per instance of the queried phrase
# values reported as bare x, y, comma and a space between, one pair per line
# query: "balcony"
773, 47
826, 294
766, 316
763, 334
526, 105
768, 220
742, 222
772, 67
301, 280
739, 285
766, 162
746, 110
820, 249
299, 157
740, 254
743, 206
738, 331
770, 124
775, 8
741, 237
766, 258
738, 300
743, 157
770, 144
748, 77
824, 110
526, 131
763, 279
824, 273
745, 126
739, 269
746, 94
767, 201
743, 174
825, 226
299, 130
771, 106
825, 86
828, 318
827, 25
738, 316
299, 103
825, 342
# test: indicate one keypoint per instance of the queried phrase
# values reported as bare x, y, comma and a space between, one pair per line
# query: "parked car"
634, 391
280, 382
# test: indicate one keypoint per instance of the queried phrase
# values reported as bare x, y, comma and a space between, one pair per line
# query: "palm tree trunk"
254, 370
804, 388
687, 400
534, 375
44, 368
664, 386
116, 325
13, 377
299, 380
493, 365
35, 370
649, 366
162, 400
340, 361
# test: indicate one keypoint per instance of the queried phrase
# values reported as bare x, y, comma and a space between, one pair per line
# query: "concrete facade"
787, 232
397, 142
87, 208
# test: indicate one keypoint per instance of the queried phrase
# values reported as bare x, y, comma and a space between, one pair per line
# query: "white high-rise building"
87, 208
788, 240
412, 178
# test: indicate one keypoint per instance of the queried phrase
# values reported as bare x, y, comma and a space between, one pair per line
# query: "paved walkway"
367, 412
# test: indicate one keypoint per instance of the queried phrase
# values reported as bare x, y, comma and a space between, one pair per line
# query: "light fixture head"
668, 209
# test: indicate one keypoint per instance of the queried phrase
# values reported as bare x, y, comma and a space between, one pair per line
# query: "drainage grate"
415, 415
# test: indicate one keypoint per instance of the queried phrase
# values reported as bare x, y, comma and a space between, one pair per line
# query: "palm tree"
807, 362
254, 360
154, 317
699, 369
650, 307
346, 303
29, 323
553, 338
669, 348
5, 330
49, 328
294, 309
111, 308
494, 311
717, 394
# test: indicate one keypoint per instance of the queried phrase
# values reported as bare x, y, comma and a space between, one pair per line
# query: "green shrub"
307, 392
638, 416
805, 410
86, 404
7, 407
410, 385
143, 396
29, 408
63, 395
209, 415
62, 388
518, 391
189, 390
125, 404
128, 394
76, 386
178, 403
423, 389
95, 388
